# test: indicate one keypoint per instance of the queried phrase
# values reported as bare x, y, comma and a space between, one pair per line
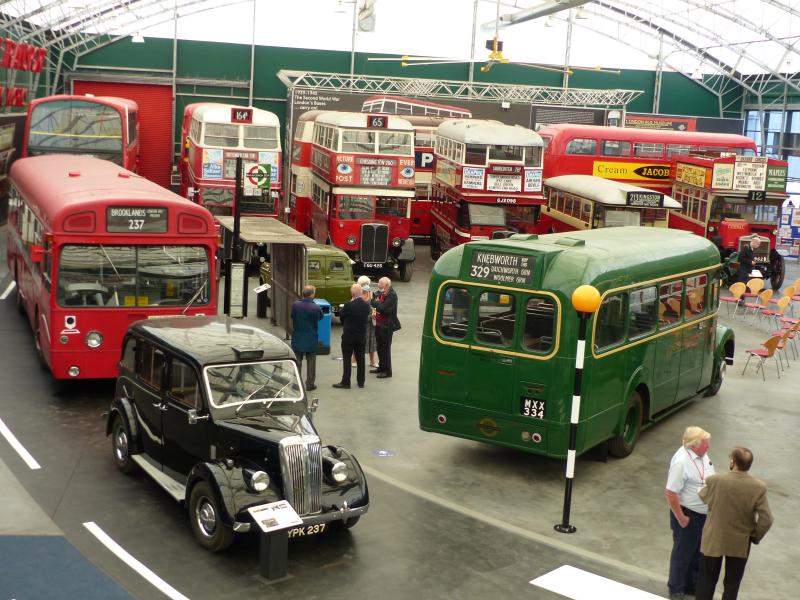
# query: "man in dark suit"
386, 323
354, 317
747, 260
738, 515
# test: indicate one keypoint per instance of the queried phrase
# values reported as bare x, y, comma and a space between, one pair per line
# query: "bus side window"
696, 295
540, 322
582, 146
714, 305
611, 322
454, 315
616, 148
643, 309
496, 319
670, 298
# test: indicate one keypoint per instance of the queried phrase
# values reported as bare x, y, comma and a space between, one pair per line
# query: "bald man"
386, 323
354, 317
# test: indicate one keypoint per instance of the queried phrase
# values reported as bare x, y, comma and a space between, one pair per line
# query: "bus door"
694, 351
451, 329
666, 372
491, 373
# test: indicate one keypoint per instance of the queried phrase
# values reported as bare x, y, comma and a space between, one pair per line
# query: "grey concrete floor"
466, 498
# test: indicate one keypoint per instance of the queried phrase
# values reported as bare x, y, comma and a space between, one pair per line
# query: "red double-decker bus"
641, 157
214, 136
100, 126
730, 200
361, 181
93, 247
424, 167
299, 197
488, 179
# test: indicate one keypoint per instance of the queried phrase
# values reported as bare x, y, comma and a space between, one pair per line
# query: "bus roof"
481, 131
56, 185
121, 103
602, 191
426, 120
418, 102
606, 258
357, 119
213, 112
647, 135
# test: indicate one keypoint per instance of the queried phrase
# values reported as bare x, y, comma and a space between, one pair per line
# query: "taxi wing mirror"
194, 418
314, 405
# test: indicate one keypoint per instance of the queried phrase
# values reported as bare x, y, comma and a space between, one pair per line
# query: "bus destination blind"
501, 267
136, 219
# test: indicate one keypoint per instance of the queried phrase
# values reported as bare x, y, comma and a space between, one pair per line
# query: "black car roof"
207, 340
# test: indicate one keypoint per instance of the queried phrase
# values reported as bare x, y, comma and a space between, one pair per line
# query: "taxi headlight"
94, 339
339, 472
256, 481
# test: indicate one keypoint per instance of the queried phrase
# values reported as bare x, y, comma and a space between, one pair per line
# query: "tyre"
406, 270
341, 525
37, 342
205, 517
717, 380
623, 444
436, 251
121, 445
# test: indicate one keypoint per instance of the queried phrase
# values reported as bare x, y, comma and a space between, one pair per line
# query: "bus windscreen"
76, 126
125, 276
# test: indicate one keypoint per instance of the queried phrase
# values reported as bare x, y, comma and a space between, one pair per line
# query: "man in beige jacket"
738, 514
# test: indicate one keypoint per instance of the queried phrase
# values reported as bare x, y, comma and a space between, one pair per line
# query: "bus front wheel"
436, 252
777, 271
719, 377
406, 270
623, 444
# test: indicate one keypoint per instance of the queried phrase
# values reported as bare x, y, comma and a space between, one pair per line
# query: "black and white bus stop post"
585, 300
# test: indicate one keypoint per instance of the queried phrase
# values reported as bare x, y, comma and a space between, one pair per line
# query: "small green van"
330, 271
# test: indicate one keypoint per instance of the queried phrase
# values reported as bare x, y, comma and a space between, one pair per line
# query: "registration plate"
306, 530
373, 265
531, 407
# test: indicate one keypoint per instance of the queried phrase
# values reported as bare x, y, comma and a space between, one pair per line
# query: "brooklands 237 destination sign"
501, 267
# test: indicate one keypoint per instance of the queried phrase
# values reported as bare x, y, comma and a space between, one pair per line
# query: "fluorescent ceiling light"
137, 38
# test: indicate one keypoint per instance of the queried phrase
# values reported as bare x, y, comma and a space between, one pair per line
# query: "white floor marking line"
9, 289
24, 454
134, 564
582, 585
508, 527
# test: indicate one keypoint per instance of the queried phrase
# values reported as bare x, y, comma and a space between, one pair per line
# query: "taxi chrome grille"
374, 242
301, 467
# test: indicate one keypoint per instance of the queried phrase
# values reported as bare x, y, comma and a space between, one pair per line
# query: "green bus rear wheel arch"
622, 445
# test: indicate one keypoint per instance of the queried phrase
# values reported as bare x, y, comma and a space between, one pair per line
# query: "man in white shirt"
688, 470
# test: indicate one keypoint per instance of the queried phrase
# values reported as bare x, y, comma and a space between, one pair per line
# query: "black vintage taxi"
215, 412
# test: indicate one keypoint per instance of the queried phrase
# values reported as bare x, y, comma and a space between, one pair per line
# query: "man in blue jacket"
306, 316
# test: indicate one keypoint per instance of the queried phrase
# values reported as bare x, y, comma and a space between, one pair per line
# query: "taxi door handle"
160, 405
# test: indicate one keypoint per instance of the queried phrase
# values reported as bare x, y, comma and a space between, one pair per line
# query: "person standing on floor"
689, 468
370, 343
747, 260
386, 323
738, 515
354, 316
306, 316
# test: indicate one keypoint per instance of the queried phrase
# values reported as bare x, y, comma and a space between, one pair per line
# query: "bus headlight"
94, 339
351, 240
397, 242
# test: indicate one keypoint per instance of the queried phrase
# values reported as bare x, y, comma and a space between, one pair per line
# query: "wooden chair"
766, 351
791, 331
737, 290
754, 286
777, 312
760, 304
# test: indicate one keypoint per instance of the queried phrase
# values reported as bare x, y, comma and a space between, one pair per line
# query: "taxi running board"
175, 489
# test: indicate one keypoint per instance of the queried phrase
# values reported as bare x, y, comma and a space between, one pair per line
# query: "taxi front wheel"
121, 445
205, 516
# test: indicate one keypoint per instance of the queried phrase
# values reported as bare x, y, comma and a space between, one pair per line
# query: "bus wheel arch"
622, 445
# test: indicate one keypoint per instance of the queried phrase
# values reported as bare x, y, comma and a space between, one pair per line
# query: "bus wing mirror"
37, 253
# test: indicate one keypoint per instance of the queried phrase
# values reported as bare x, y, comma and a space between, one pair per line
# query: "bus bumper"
90, 364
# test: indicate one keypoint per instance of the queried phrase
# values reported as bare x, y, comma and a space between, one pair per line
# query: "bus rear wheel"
622, 445
436, 252
719, 377
777, 271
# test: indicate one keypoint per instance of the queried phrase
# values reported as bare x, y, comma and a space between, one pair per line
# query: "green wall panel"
155, 53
